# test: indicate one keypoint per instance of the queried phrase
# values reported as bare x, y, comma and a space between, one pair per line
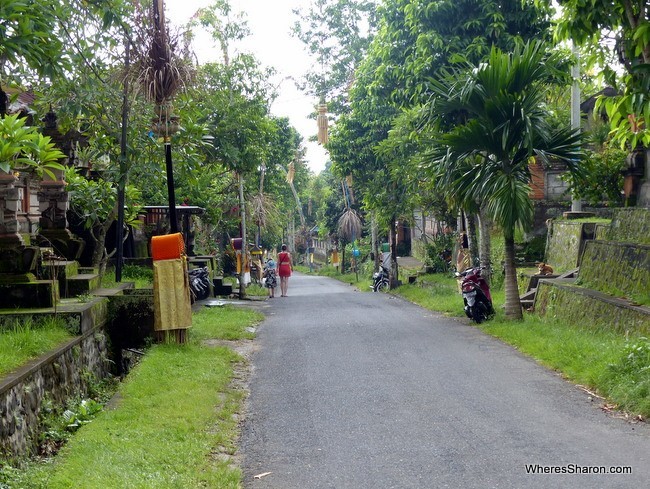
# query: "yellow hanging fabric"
291, 172
321, 119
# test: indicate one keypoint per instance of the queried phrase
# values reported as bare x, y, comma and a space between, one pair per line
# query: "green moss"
575, 307
563, 245
618, 269
631, 225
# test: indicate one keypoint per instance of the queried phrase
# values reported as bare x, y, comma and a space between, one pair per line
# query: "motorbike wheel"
382, 286
479, 312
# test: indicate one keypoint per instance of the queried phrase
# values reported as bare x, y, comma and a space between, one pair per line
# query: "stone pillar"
9, 205
53, 203
17, 261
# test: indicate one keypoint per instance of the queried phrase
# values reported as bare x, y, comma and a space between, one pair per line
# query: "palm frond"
350, 225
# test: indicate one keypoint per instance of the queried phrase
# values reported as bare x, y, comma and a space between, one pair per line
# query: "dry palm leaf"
350, 225
322, 122
160, 72
263, 209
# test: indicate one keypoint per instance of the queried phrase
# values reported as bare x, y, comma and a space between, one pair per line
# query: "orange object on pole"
167, 247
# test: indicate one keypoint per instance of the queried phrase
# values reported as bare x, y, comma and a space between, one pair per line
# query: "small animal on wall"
544, 269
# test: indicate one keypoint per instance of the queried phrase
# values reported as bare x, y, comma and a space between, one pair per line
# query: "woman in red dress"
284, 269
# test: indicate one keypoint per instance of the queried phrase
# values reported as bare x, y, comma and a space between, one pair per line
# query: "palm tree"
491, 121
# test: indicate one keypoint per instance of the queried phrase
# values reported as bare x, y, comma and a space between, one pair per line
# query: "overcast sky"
269, 22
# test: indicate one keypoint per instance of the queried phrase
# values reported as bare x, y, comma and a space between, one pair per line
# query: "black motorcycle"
380, 280
199, 283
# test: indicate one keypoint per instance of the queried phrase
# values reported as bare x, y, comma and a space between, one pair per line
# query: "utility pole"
576, 203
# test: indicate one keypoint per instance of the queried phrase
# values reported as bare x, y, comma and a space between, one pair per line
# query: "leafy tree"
337, 34
29, 35
94, 202
602, 27
417, 39
602, 177
238, 114
414, 42
499, 124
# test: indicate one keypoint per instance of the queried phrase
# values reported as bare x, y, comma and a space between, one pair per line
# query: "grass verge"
22, 341
174, 425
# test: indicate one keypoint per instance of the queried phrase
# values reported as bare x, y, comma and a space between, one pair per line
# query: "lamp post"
164, 125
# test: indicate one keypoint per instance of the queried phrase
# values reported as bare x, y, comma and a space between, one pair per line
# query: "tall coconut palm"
491, 122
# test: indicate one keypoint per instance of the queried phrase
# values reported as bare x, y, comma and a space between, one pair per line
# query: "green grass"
256, 290
173, 424
142, 277
436, 292
22, 341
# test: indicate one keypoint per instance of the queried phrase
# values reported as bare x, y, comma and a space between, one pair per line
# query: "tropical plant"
492, 122
336, 33
28, 35
615, 33
94, 202
24, 148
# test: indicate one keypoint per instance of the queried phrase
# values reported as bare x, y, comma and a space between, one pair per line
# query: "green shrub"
628, 380
439, 253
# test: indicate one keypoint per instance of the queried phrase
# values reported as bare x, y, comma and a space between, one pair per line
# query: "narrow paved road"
355, 390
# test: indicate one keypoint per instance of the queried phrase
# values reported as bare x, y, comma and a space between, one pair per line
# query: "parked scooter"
476, 295
380, 279
199, 283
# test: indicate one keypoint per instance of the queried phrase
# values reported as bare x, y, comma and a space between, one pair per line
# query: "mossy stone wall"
617, 268
631, 224
578, 306
58, 376
565, 243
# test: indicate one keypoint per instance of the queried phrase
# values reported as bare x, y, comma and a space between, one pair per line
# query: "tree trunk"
121, 182
513, 305
485, 244
472, 238
244, 246
375, 245
394, 269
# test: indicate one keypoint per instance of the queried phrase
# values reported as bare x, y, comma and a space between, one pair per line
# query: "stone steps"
220, 288
527, 299
82, 283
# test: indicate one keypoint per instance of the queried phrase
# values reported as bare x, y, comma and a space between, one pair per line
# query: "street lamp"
165, 125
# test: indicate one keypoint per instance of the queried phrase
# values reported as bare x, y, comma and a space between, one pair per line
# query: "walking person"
270, 280
284, 269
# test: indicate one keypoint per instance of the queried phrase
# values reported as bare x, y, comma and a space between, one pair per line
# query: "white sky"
270, 22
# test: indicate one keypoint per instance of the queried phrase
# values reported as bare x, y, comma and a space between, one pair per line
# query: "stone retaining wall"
566, 242
590, 309
60, 375
617, 268
631, 224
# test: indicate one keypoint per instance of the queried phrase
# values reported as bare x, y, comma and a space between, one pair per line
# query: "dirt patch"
245, 348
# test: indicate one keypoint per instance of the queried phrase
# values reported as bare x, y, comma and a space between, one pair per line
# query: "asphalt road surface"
361, 390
